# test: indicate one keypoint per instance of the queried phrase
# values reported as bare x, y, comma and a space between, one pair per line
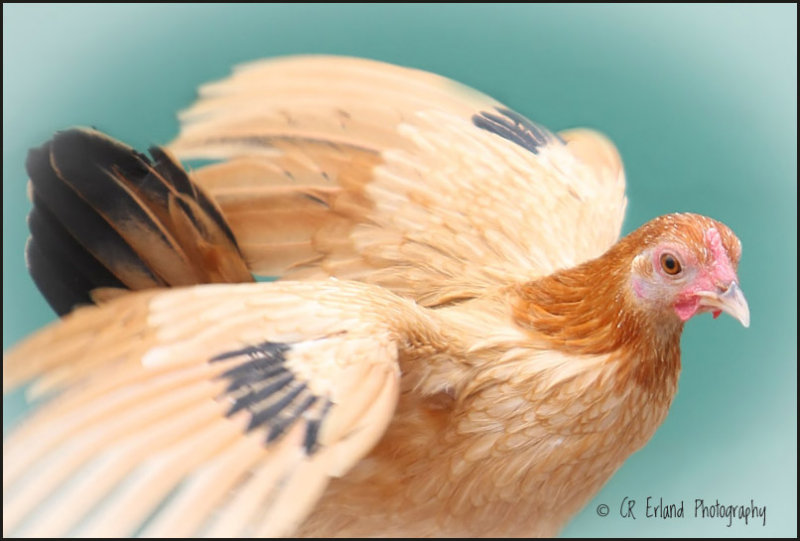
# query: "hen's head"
686, 265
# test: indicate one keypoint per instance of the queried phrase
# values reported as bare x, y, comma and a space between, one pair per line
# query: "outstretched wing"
213, 410
364, 170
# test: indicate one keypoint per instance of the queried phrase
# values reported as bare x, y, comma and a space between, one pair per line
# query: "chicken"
457, 346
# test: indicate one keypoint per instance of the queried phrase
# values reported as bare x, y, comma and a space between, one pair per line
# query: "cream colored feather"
137, 422
388, 179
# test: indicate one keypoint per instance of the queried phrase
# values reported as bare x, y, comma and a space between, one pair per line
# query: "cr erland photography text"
650, 507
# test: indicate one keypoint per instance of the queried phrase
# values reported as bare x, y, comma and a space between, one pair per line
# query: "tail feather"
61, 265
83, 223
105, 216
168, 171
63, 290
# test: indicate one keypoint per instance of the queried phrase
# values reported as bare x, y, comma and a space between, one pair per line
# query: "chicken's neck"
591, 310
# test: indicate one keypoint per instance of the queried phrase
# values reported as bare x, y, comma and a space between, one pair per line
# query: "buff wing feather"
239, 403
397, 177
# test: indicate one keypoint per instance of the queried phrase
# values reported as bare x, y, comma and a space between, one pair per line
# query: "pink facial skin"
703, 276
687, 308
716, 276
722, 269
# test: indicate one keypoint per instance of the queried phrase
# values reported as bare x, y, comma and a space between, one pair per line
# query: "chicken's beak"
731, 301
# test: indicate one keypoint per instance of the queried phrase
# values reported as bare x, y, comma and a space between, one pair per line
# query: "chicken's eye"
670, 264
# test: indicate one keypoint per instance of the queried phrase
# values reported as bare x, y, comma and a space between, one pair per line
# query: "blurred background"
700, 100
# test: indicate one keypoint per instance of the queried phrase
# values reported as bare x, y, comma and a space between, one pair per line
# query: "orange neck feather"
591, 310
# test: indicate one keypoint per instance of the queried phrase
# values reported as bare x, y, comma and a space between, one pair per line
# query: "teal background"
700, 100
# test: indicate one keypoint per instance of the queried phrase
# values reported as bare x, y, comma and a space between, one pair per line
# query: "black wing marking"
260, 383
516, 128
